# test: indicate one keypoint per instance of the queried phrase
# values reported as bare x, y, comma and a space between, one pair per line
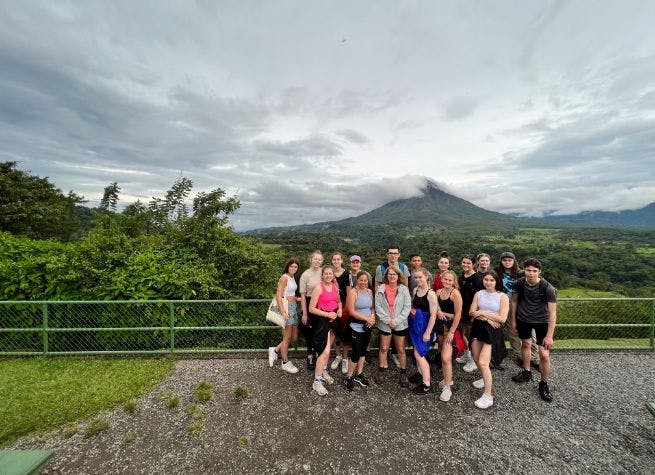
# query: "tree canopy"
33, 207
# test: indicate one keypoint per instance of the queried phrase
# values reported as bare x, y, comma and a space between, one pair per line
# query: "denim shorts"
293, 315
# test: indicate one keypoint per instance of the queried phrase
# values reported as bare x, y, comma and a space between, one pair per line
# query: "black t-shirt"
468, 286
531, 308
343, 281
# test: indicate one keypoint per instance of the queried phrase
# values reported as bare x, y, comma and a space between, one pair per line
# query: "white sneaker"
319, 388
395, 360
478, 383
327, 378
446, 394
484, 402
465, 357
470, 366
272, 356
344, 366
289, 367
337, 361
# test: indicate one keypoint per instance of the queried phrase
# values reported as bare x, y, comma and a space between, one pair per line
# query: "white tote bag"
274, 314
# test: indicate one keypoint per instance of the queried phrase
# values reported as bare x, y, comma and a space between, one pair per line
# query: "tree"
33, 207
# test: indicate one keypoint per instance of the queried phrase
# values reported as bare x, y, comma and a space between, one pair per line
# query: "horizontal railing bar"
135, 302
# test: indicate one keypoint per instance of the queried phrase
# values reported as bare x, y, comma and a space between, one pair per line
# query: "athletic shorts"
524, 329
404, 332
360, 341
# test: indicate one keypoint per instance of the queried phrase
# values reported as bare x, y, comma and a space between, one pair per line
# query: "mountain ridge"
436, 208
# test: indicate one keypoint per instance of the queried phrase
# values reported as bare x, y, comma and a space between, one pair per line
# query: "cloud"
460, 107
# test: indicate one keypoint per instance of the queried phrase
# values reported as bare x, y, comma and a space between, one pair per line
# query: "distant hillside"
634, 218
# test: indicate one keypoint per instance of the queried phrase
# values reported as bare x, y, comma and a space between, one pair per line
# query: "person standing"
534, 308
416, 263
324, 310
392, 306
443, 264
448, 315
286, 287
308, 280
508, 270
423, 317
484, 261
469, 284
362, 318
341, 333
393, 259
489, 311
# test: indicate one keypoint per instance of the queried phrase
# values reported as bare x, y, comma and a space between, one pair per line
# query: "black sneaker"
349, 384
311, 364
422, 389
544, 391
360, 379
533, 363
416, 378
522, 377
403, 380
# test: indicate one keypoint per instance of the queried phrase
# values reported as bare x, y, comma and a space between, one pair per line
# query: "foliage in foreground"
41, 394
160, 251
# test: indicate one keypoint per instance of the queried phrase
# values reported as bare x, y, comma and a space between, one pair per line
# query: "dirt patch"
597, 423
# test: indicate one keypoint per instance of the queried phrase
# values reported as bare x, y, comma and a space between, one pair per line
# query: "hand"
304, 319
285, 315
392, 324
493, 324
548, 342
426, 336
412, 312
339, 313
514, 326
449, 338
331, 315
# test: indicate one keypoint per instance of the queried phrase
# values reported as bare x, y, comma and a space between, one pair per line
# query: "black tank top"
421, 302
447, 305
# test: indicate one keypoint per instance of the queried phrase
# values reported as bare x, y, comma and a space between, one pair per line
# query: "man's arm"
552, 321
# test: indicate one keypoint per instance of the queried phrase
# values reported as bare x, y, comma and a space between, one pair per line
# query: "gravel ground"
598, 423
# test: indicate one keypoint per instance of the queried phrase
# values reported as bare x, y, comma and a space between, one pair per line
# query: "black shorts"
441, 327
524, 330
360, 341
320, 330
484, 332
404, 332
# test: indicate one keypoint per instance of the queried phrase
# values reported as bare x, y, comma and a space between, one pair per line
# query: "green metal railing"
233, 326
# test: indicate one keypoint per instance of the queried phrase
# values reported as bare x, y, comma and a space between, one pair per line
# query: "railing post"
44, 336
652, 324
171, 323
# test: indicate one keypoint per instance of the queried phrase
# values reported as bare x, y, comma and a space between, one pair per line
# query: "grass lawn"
37, 395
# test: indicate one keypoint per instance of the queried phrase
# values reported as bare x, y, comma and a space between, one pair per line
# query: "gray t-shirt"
531, 308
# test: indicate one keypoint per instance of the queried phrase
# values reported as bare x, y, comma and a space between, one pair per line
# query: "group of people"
468, 317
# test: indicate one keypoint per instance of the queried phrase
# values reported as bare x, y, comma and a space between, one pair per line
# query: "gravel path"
598, 423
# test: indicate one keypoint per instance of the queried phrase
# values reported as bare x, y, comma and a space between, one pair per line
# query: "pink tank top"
328, 301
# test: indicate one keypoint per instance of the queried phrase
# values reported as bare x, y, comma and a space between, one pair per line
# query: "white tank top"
489, 302
290, 291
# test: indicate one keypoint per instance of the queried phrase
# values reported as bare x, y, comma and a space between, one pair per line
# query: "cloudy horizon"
310, 112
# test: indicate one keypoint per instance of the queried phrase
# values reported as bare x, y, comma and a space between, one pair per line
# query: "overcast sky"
311, 110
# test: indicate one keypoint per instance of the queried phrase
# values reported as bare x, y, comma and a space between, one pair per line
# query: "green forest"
52, 247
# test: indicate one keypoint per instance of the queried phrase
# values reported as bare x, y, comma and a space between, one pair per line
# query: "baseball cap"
355, 258
507, 254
